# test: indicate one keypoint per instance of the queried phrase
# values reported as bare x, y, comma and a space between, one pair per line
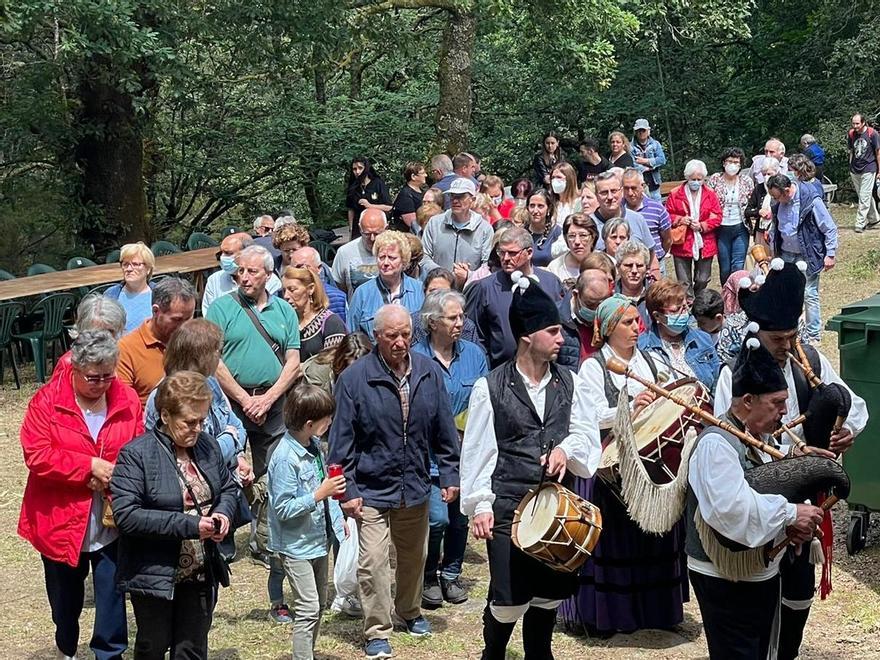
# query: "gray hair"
519, 236
614, 224
314, 255
441, 162
807, 139
97, 312
284, 220
779, 142
695, 167
258, 221
770, 161
94, 347
631, 172
633, 248
386, 313
434, 305
171, 289
257, 251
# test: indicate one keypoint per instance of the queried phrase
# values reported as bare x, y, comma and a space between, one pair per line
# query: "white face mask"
497, 200
731, 169
558, 185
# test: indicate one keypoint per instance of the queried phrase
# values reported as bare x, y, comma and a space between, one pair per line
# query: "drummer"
738, 605
547, 421
634, 580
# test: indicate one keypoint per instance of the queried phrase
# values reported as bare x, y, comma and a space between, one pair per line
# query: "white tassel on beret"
752, 343
777, 264
802, 266
760, 279
745, 283
752, 328
520, 280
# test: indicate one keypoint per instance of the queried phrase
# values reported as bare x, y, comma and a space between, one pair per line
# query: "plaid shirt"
402, 387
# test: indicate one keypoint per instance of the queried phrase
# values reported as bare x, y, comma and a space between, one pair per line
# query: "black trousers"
737, 616
798, 585
181, 625
263, 437
66, 589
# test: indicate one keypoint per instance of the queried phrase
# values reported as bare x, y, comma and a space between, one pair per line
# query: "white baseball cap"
641, 124
462, 185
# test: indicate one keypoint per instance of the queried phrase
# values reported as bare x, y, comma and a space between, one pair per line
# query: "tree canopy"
138, 120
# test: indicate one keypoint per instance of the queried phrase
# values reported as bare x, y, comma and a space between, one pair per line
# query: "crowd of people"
452, 357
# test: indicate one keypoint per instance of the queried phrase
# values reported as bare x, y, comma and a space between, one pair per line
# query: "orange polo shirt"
140, 360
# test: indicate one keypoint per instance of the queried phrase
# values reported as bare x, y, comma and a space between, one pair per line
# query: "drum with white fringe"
556, 527
659, 431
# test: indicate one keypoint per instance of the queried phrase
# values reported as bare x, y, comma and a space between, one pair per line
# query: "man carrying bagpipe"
831, 415
738, 591
528, 420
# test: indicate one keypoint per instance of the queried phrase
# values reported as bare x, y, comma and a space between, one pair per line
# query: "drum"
556, 527
659, 430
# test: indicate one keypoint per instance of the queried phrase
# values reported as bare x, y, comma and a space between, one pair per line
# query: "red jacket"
58, 451
679, 208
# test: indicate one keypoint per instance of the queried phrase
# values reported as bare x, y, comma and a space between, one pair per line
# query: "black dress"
624, 160
407, 201
375, 192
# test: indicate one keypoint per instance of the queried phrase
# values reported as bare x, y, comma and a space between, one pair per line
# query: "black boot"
791, 632
538, 624
496, 635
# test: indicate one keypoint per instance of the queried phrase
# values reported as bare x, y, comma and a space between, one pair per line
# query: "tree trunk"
110, 155
357, 76
454, 76
311, 158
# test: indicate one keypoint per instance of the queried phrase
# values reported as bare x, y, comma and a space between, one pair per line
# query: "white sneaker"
61, 656
349, 605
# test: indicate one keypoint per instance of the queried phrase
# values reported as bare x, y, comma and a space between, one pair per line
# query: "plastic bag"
345, 570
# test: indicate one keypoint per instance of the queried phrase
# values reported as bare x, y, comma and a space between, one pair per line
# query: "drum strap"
612, 394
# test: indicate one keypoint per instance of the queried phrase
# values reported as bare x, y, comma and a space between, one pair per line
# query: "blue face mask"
228, 264
695, 185
586, 314
677, 323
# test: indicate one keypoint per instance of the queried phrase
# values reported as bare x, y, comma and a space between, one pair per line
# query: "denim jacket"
219, 417
296, 522
699, 353
367, 300
653, 151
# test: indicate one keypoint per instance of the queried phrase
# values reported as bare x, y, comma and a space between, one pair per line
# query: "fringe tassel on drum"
655, 508
734, 566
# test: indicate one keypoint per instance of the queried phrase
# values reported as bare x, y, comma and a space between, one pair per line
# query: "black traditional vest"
521, 436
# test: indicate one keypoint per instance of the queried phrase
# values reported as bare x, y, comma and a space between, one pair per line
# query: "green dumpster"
858, 338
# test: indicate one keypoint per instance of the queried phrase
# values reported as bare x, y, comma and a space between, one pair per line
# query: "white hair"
770, 161
257, 251
284, 220
258, 221
779, 142
807, 139
386, 313
695, 167
384, 216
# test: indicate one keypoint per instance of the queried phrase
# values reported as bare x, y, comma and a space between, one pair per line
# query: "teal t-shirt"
245, 353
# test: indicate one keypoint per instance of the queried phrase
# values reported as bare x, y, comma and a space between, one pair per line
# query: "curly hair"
291, 232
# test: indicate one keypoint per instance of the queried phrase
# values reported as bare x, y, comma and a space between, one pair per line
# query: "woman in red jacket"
73, 429
696, 214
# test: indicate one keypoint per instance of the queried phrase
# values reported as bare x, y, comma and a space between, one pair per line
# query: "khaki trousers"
407, 528
864, 185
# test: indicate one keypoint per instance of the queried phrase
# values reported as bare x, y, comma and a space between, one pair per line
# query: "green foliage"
251, 107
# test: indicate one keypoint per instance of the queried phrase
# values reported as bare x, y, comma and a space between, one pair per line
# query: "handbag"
678, 233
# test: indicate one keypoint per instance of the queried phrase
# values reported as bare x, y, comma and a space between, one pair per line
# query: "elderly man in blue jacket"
391, 408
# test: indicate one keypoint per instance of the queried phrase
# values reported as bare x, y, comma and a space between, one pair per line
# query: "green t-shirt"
246, 354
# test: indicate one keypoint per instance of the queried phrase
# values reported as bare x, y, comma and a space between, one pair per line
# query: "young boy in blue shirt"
303, 516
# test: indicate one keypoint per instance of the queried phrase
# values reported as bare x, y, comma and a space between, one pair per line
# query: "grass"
847, 624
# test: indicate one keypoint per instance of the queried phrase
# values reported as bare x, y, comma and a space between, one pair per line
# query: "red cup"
335, 470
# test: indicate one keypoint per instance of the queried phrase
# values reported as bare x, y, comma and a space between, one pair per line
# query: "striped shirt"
657, 217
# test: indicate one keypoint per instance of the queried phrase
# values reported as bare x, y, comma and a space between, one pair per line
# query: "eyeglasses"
513, 254
199, 423
96, 379
132, 264
579, 236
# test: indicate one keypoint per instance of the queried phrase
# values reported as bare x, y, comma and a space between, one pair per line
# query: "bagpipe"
797, 478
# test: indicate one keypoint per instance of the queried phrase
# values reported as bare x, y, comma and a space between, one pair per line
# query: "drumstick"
620, 367
826, 506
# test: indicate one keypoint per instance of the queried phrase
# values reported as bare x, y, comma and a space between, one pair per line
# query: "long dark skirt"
633, 580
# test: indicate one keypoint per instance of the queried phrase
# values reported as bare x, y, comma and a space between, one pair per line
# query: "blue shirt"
788, 217
372, 295
542, 254
138, 307
468, 364
657, 218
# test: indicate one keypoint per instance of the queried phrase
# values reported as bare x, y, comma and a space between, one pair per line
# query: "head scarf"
730, 292
608, 315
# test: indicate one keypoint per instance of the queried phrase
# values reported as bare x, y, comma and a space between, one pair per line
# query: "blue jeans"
65, 587
812, 312
733, 243
275, 583
449, 528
